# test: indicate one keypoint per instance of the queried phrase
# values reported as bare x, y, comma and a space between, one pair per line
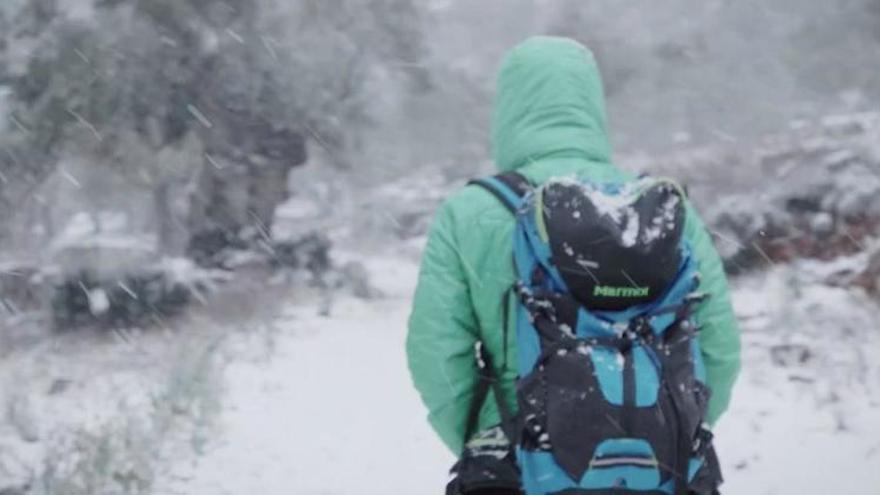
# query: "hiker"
569, 340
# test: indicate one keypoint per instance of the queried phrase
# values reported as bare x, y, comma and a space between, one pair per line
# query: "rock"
210, 247
790, 354
99, 303
840, 159
822, 224
59, 385
16, 478
869, 277
20, 288
827, 206
853, 205
355, 276
23, 419
311, 253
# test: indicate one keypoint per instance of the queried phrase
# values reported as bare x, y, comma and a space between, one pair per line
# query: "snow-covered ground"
332, 412
805, 418
314, 403
273, 390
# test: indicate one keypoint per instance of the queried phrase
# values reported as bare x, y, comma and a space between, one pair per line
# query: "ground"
332, 412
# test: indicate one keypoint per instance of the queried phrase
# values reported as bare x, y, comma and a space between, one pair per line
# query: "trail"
333, 412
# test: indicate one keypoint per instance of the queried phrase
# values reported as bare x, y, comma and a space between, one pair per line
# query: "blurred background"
211, 214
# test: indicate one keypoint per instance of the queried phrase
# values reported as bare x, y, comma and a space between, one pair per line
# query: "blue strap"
509, 188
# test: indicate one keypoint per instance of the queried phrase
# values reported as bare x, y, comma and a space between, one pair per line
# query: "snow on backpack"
611, 391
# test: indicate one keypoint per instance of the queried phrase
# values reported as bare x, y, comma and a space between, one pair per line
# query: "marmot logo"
608, 291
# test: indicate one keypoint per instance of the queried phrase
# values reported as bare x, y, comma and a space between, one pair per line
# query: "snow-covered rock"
819, 196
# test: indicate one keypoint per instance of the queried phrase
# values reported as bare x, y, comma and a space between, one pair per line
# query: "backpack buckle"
641, 328
638, 330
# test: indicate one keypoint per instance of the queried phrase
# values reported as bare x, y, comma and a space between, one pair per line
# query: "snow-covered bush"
19, 291
820, 198
135, 298
126, 454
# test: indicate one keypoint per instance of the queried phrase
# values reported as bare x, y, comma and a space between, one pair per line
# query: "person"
549, 121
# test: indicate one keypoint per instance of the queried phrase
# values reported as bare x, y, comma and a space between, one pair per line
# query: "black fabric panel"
485, 475
678, 373
531, 400
563, 399
708, 477
600, 258
578, 417
629, 391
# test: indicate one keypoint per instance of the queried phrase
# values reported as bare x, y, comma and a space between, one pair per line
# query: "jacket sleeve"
442, 334
719, 334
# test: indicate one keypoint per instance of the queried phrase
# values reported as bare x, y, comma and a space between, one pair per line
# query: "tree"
218, 93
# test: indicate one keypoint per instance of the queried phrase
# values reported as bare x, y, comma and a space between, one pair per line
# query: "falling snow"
129, 132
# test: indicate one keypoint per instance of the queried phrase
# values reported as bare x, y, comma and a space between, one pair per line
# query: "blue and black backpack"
611, 392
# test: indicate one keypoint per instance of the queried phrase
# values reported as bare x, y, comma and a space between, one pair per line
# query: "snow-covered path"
333, 413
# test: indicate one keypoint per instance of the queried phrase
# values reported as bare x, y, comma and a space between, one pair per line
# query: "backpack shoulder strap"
487, 382
509, 188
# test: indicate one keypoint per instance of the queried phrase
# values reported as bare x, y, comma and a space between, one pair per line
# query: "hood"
549, 104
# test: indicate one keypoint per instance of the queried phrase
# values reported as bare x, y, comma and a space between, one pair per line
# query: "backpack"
612, 393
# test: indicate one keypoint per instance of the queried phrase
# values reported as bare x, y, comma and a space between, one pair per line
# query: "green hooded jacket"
549, 121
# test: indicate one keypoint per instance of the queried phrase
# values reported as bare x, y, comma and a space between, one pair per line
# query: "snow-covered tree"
219, 94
